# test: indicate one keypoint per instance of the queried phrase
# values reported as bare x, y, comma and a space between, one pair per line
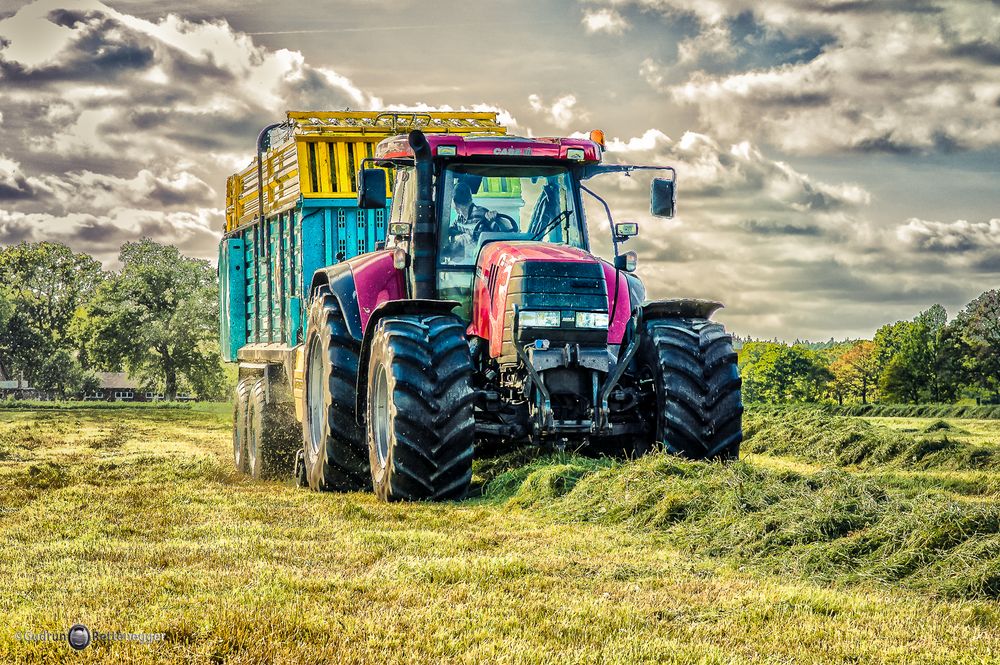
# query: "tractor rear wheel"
697, 384
335, 453
271, 435
241, 400
419, 420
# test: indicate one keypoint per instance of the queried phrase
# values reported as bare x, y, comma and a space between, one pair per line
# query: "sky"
838, 161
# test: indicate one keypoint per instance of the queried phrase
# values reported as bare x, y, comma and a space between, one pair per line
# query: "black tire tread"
698, 384
431, 387
344, 459
276, 433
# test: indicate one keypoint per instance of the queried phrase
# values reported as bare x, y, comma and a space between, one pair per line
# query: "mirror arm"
607, 209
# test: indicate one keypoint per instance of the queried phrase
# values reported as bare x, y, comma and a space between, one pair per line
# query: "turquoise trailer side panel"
232, 300
265, 269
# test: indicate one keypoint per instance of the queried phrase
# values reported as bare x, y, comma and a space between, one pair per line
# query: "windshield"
495, 202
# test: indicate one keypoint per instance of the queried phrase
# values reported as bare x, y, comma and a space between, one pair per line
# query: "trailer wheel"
697, 383
271, 435
241, 400
418, 419
335, 453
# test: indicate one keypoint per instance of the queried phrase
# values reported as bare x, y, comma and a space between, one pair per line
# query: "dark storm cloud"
100, 52
883, 77
985, 52
119, 128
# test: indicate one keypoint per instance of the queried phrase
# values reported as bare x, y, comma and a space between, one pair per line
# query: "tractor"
483, 321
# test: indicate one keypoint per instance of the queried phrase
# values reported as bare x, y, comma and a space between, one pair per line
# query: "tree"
159, 319
855, 372
776, 372
979, 328
914, 360
46, 283
62, 374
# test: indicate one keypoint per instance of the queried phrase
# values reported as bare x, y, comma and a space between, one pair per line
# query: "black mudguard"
688, 308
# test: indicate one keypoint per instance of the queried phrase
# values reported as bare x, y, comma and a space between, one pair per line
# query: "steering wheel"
483, 224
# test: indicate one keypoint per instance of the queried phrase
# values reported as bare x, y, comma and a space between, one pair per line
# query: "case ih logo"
512, 151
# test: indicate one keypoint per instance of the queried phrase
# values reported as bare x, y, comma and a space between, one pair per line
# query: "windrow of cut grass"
976, 411
830, 526
72, 405
812, 434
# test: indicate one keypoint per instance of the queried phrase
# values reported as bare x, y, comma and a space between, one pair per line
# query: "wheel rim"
314, 396
380, 416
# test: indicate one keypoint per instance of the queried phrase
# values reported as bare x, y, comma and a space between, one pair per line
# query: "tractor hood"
527, 275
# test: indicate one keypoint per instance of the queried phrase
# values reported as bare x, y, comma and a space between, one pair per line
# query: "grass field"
836, 540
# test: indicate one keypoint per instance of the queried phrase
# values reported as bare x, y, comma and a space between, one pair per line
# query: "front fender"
688, 308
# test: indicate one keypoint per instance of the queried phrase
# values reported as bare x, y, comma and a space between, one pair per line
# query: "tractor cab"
489, 189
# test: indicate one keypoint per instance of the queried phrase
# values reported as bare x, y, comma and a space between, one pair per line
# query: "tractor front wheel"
419, 420
693, 370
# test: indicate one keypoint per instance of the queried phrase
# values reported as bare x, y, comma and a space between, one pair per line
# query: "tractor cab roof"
493, 146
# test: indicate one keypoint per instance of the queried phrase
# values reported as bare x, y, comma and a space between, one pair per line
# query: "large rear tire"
419, 420
699, 408
335, 451
272, 435
241, 401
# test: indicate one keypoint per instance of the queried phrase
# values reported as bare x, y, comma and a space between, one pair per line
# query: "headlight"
591, 320
539, 319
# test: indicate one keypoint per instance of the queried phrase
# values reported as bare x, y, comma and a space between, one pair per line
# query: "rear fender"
390, 308
340, 278
360, 285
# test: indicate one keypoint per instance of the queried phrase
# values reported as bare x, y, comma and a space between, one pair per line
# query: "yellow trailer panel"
317, 154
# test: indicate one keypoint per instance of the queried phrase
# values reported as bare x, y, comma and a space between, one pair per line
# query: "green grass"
133, 520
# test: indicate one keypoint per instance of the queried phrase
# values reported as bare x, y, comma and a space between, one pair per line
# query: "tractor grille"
566, 287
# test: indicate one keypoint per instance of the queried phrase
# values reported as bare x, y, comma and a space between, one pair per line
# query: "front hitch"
602, 419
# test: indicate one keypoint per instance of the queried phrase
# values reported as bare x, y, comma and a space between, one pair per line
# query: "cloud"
562, 112
876, 77
117, 127
102, 235
738, 173
790, 254
949, 237
604, 20
15, 185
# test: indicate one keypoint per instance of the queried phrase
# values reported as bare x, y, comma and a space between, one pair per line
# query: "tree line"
63, 318
926, 359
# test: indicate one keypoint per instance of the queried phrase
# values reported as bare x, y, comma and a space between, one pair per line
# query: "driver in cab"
471, 221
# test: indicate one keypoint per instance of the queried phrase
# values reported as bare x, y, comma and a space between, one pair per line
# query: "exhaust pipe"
423, 249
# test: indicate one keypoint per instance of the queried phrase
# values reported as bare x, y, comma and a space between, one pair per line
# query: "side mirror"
371, 189
626, 261
662, 197
399, 229
626, 230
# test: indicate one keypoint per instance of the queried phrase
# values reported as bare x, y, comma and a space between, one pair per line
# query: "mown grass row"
830, 526
72, 405
977, 411
816, 436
